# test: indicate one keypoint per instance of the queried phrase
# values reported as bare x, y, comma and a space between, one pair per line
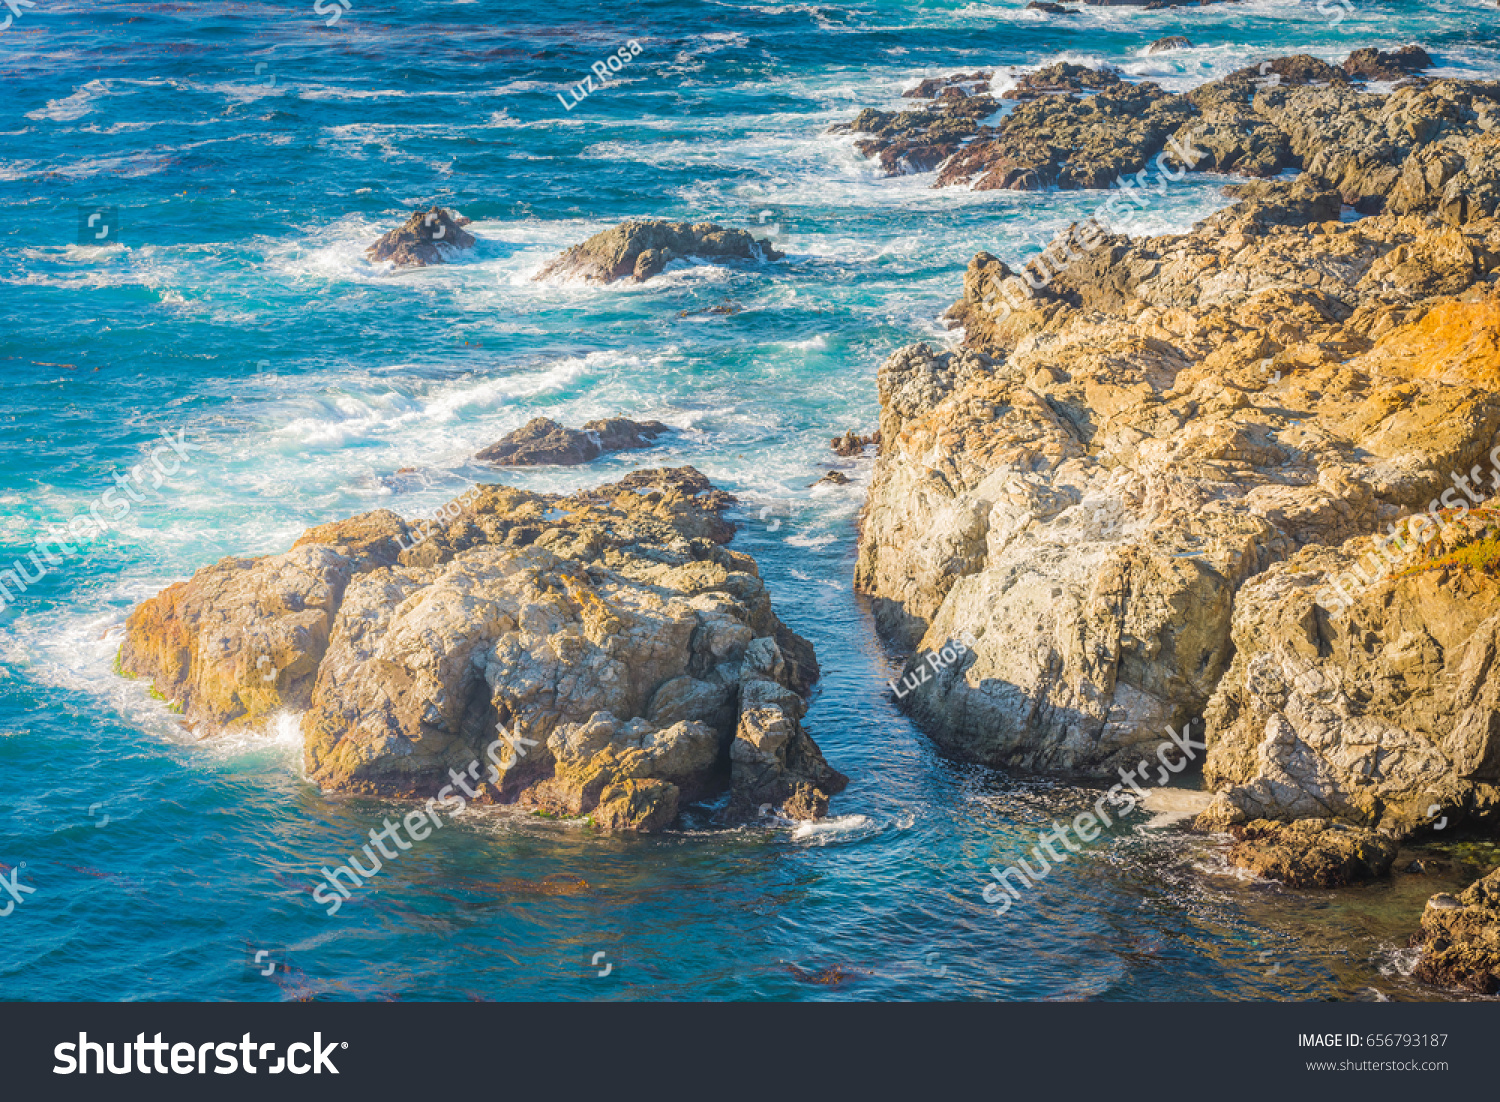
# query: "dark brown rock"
1294, 70
1312, 853
959, 85
1171, 42
1064, 77
543, 442
851, 443
417, 242
1371, 64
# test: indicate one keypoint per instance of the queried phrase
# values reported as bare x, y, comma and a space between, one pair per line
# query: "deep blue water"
245, 154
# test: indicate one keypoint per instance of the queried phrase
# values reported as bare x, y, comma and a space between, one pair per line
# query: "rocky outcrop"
1312, 853
543, 442
601, 654
1371, 64
1088, 486
639, 250
421, 239
1052, 139
852, 444
1426, 147
1171, 42
920, 139
1460, 939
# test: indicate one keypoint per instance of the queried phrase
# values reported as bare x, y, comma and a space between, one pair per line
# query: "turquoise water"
232, 303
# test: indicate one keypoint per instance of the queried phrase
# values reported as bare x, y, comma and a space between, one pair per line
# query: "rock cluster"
418, 241
639, 250
1132, 485
1460, 938
1085, 128
543, 442
920, 139
630, 661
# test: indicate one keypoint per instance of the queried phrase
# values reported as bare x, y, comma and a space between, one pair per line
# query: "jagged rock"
1371, 64
1422, 148
1266, 203
957, 86
418, 241
1460, 938
1087, 485
642, 249
1089, 142
852, 444
1171, 42
626, 651
1050, 9
542, 442
919, 140
837, 478
1294, 70
1312, 853
1066, 78
1382, 712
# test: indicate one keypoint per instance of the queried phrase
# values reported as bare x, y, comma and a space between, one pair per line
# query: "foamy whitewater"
252, 153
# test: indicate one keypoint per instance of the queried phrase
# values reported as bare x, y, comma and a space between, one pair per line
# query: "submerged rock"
1460, 939
632, 663
641, 249
1312, 853
418, 241
543, 442
1171, 42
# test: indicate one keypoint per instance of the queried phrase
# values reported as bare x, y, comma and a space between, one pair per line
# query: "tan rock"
536, 617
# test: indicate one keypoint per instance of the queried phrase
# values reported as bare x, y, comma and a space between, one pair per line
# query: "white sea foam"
824, 832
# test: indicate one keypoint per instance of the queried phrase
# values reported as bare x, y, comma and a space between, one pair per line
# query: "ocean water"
241, 156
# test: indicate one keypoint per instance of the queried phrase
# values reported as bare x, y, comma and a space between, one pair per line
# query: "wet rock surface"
640, 250
543, 442
1312, 853
421, 239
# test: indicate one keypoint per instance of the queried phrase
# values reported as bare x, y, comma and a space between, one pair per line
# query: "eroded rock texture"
633, 661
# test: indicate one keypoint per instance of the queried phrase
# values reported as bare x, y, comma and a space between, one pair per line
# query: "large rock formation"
1424, 147
632, 662
1086, 487
1460, 938
418, 241
1374, 703
642, 249
542, 442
